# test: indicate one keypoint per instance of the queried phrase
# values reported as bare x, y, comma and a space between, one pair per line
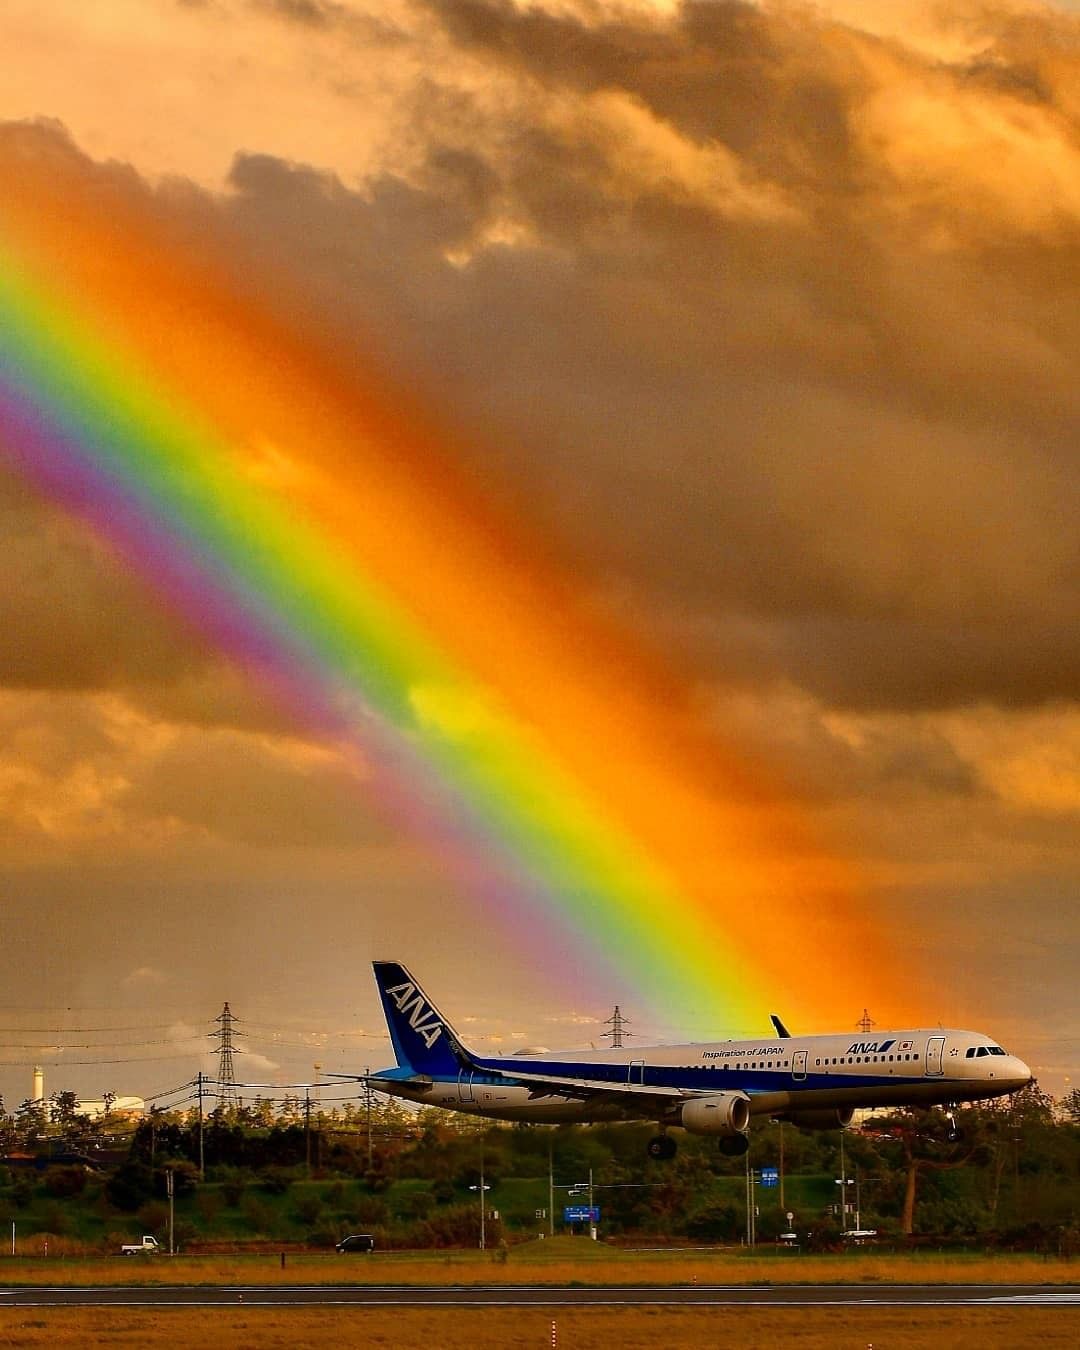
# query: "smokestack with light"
38, 1094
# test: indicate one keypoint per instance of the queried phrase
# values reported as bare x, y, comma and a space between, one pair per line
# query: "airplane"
815, 1082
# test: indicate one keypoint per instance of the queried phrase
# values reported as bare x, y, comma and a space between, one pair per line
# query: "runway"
522, 1296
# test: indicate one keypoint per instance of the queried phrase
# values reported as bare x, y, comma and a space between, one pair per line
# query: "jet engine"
725, 1113
833, 1119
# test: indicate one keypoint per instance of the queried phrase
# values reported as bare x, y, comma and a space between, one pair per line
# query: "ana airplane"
816, 1082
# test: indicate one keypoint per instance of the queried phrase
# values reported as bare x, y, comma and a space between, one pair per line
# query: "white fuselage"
799, 1073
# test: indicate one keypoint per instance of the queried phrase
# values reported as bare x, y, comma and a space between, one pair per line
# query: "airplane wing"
634, 1095
551, 1085
557, 1085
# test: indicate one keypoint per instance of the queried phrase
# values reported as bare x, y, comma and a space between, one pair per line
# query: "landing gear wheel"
953, 1132
734, 1145
661, 1147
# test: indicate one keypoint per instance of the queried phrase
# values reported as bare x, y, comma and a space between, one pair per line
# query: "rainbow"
312, 524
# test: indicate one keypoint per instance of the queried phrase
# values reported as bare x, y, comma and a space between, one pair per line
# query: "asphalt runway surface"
533, 1296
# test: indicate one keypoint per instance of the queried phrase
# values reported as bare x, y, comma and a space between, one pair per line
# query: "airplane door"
465, 1087
798, 1066
636, 1072
934, 1049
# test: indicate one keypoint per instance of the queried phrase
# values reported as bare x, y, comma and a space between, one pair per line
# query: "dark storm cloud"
773, 322
808, 402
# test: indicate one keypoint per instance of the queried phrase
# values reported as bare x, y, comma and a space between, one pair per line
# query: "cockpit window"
996, 1050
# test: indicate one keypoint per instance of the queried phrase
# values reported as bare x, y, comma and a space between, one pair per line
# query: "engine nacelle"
724, 1113
835, 1118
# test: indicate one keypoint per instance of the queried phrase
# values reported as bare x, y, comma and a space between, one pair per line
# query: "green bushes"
61, 1182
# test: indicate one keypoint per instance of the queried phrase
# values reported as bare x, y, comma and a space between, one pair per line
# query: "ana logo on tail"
412, 1004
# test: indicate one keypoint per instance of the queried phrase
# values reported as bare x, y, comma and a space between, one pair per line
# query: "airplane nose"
1019, 1075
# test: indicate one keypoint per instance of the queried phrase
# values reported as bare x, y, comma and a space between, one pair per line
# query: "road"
504, 1296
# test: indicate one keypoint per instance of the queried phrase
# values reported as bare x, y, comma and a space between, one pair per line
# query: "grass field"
552, 1261
530, 1329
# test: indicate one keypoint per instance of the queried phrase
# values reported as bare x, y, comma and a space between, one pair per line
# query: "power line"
77, 1031
78, 1045
92, 1063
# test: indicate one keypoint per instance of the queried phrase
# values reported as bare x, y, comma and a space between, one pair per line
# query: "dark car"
356, 1242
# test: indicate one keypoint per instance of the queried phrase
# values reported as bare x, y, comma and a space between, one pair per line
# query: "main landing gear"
661, 1147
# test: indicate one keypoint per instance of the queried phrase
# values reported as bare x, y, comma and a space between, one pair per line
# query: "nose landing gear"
953, 1132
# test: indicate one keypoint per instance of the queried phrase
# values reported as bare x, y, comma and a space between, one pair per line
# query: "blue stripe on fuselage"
700, 1078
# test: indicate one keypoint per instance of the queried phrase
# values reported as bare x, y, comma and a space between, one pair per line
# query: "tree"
30, 1121
65, 1117
925, 1147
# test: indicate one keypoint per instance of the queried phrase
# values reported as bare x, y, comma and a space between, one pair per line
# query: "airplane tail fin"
423, 1040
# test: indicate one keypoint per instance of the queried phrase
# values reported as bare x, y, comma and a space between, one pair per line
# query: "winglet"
781, 1030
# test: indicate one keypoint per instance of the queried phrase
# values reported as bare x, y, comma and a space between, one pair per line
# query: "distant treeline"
291, 1171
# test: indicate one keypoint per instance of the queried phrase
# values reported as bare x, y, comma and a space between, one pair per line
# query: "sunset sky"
719, 368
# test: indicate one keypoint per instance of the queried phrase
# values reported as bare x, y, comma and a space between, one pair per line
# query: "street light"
589, 1187
577, 1190
481, 1189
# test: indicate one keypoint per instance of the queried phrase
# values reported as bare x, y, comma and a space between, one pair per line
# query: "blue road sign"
770, 1176
581, 1214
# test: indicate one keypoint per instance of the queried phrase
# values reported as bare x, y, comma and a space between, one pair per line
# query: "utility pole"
202, 1155
367, 1097
843, 1183
169, 1188
307, 1130
782, 1205
227, 1094
618, 1024
318, 1117
482, 1188
551, 1183
751, 1226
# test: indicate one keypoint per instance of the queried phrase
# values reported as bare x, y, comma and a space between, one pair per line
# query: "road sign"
770, 1176
581, 1214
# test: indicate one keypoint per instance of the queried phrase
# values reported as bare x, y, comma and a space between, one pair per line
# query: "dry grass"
555, 1261
530, 1329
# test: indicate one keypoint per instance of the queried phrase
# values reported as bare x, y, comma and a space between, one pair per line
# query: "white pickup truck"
148, 1244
